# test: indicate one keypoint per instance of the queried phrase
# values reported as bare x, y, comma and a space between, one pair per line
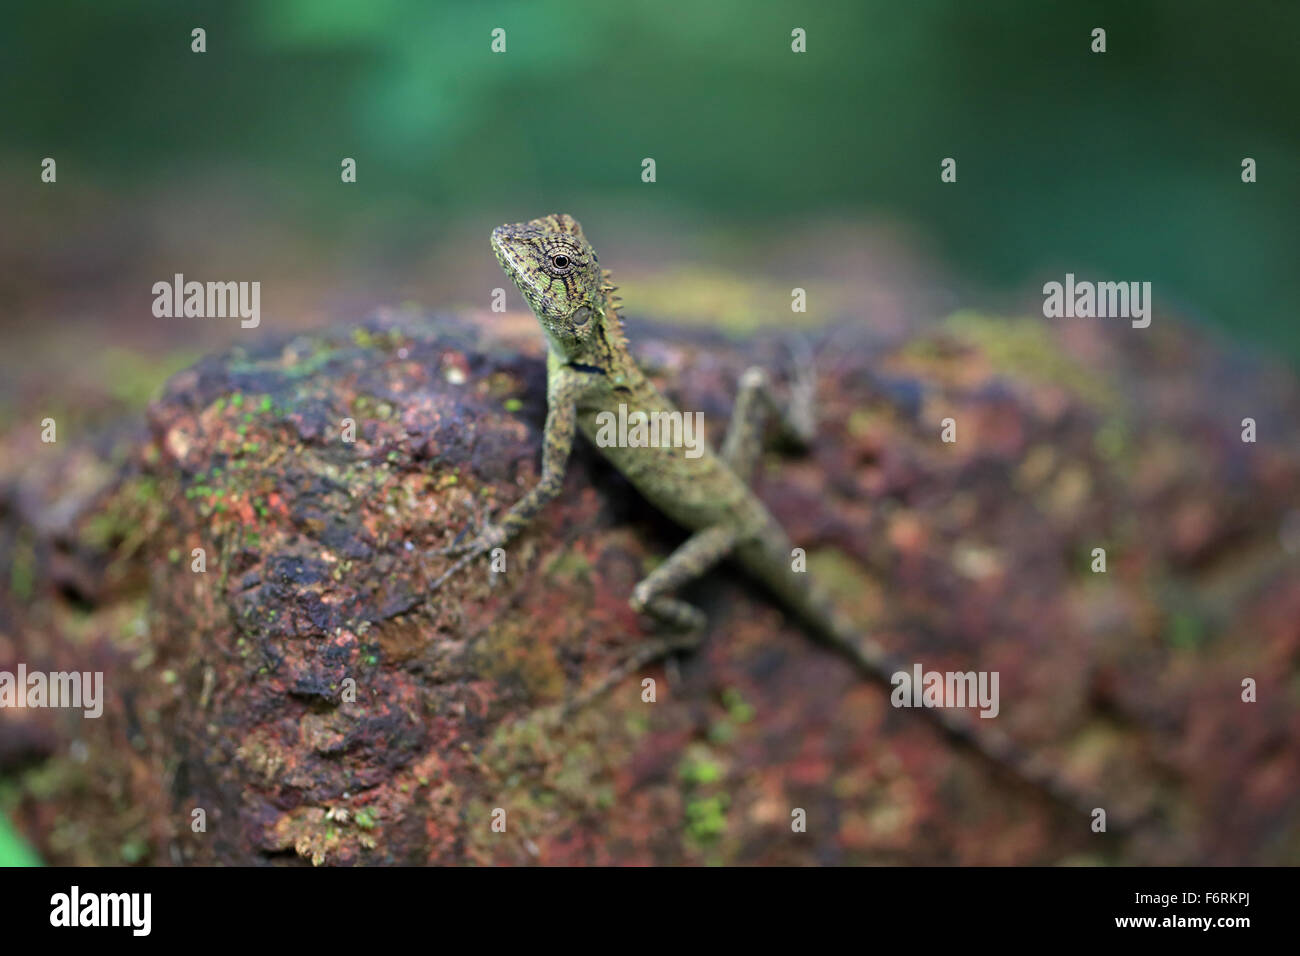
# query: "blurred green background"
226, 165
1122, 165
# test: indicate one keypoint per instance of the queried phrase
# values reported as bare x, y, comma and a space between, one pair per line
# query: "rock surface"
229, 690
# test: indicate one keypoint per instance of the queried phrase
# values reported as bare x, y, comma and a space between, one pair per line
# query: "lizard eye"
560, 261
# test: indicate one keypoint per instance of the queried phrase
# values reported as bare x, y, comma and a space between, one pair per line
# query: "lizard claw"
457, 547
456, 566
492, 536
459, 544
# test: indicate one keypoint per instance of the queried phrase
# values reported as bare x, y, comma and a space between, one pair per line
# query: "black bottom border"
238, 905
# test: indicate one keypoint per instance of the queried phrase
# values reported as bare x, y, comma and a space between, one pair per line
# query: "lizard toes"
455, 567
453, 549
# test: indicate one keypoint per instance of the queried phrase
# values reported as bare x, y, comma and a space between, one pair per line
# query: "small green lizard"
590, 370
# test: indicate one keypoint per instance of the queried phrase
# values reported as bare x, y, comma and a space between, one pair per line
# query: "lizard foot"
688, 621
677, 615
667, 649
800, 414
475, 528
491, 536
460, 563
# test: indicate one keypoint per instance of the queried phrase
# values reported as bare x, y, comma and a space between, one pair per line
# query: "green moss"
52, 779
839, 572
365, 818
699, 770
365, 405
728, 301
568, 565
1026, 348
22, 570
637, 724
389, 339
1110, 439
721, 732
737, 708
145, 490
133, 851
706, 818
1185, 630
105, 528
861, 422
134, 378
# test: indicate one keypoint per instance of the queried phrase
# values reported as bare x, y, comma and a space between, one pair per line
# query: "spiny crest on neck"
613, 305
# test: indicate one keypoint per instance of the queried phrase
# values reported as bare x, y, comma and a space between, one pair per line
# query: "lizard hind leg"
756, 402
694, 557
477, 520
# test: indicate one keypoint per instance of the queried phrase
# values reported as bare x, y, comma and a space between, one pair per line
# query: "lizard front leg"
557, 443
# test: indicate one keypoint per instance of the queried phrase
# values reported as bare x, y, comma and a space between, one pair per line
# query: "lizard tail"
801, 595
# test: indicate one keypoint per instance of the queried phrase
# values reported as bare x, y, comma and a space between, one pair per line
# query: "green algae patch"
1027, 349
734, 303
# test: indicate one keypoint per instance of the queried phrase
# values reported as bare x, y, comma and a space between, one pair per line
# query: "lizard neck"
608, 349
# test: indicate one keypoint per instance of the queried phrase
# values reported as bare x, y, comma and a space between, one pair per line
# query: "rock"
302, 692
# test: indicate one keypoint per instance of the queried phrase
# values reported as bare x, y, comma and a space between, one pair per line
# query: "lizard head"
555, 268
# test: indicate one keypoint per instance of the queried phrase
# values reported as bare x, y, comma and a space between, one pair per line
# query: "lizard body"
591, 371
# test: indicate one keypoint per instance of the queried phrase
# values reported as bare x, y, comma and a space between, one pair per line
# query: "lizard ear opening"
582, 316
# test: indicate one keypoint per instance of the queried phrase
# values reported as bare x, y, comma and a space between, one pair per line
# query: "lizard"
590, 370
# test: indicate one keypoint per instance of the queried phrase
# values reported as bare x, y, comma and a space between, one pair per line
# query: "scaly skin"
590, 370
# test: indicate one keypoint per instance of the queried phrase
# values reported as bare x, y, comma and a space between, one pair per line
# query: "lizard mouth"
499, 237
505, 245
